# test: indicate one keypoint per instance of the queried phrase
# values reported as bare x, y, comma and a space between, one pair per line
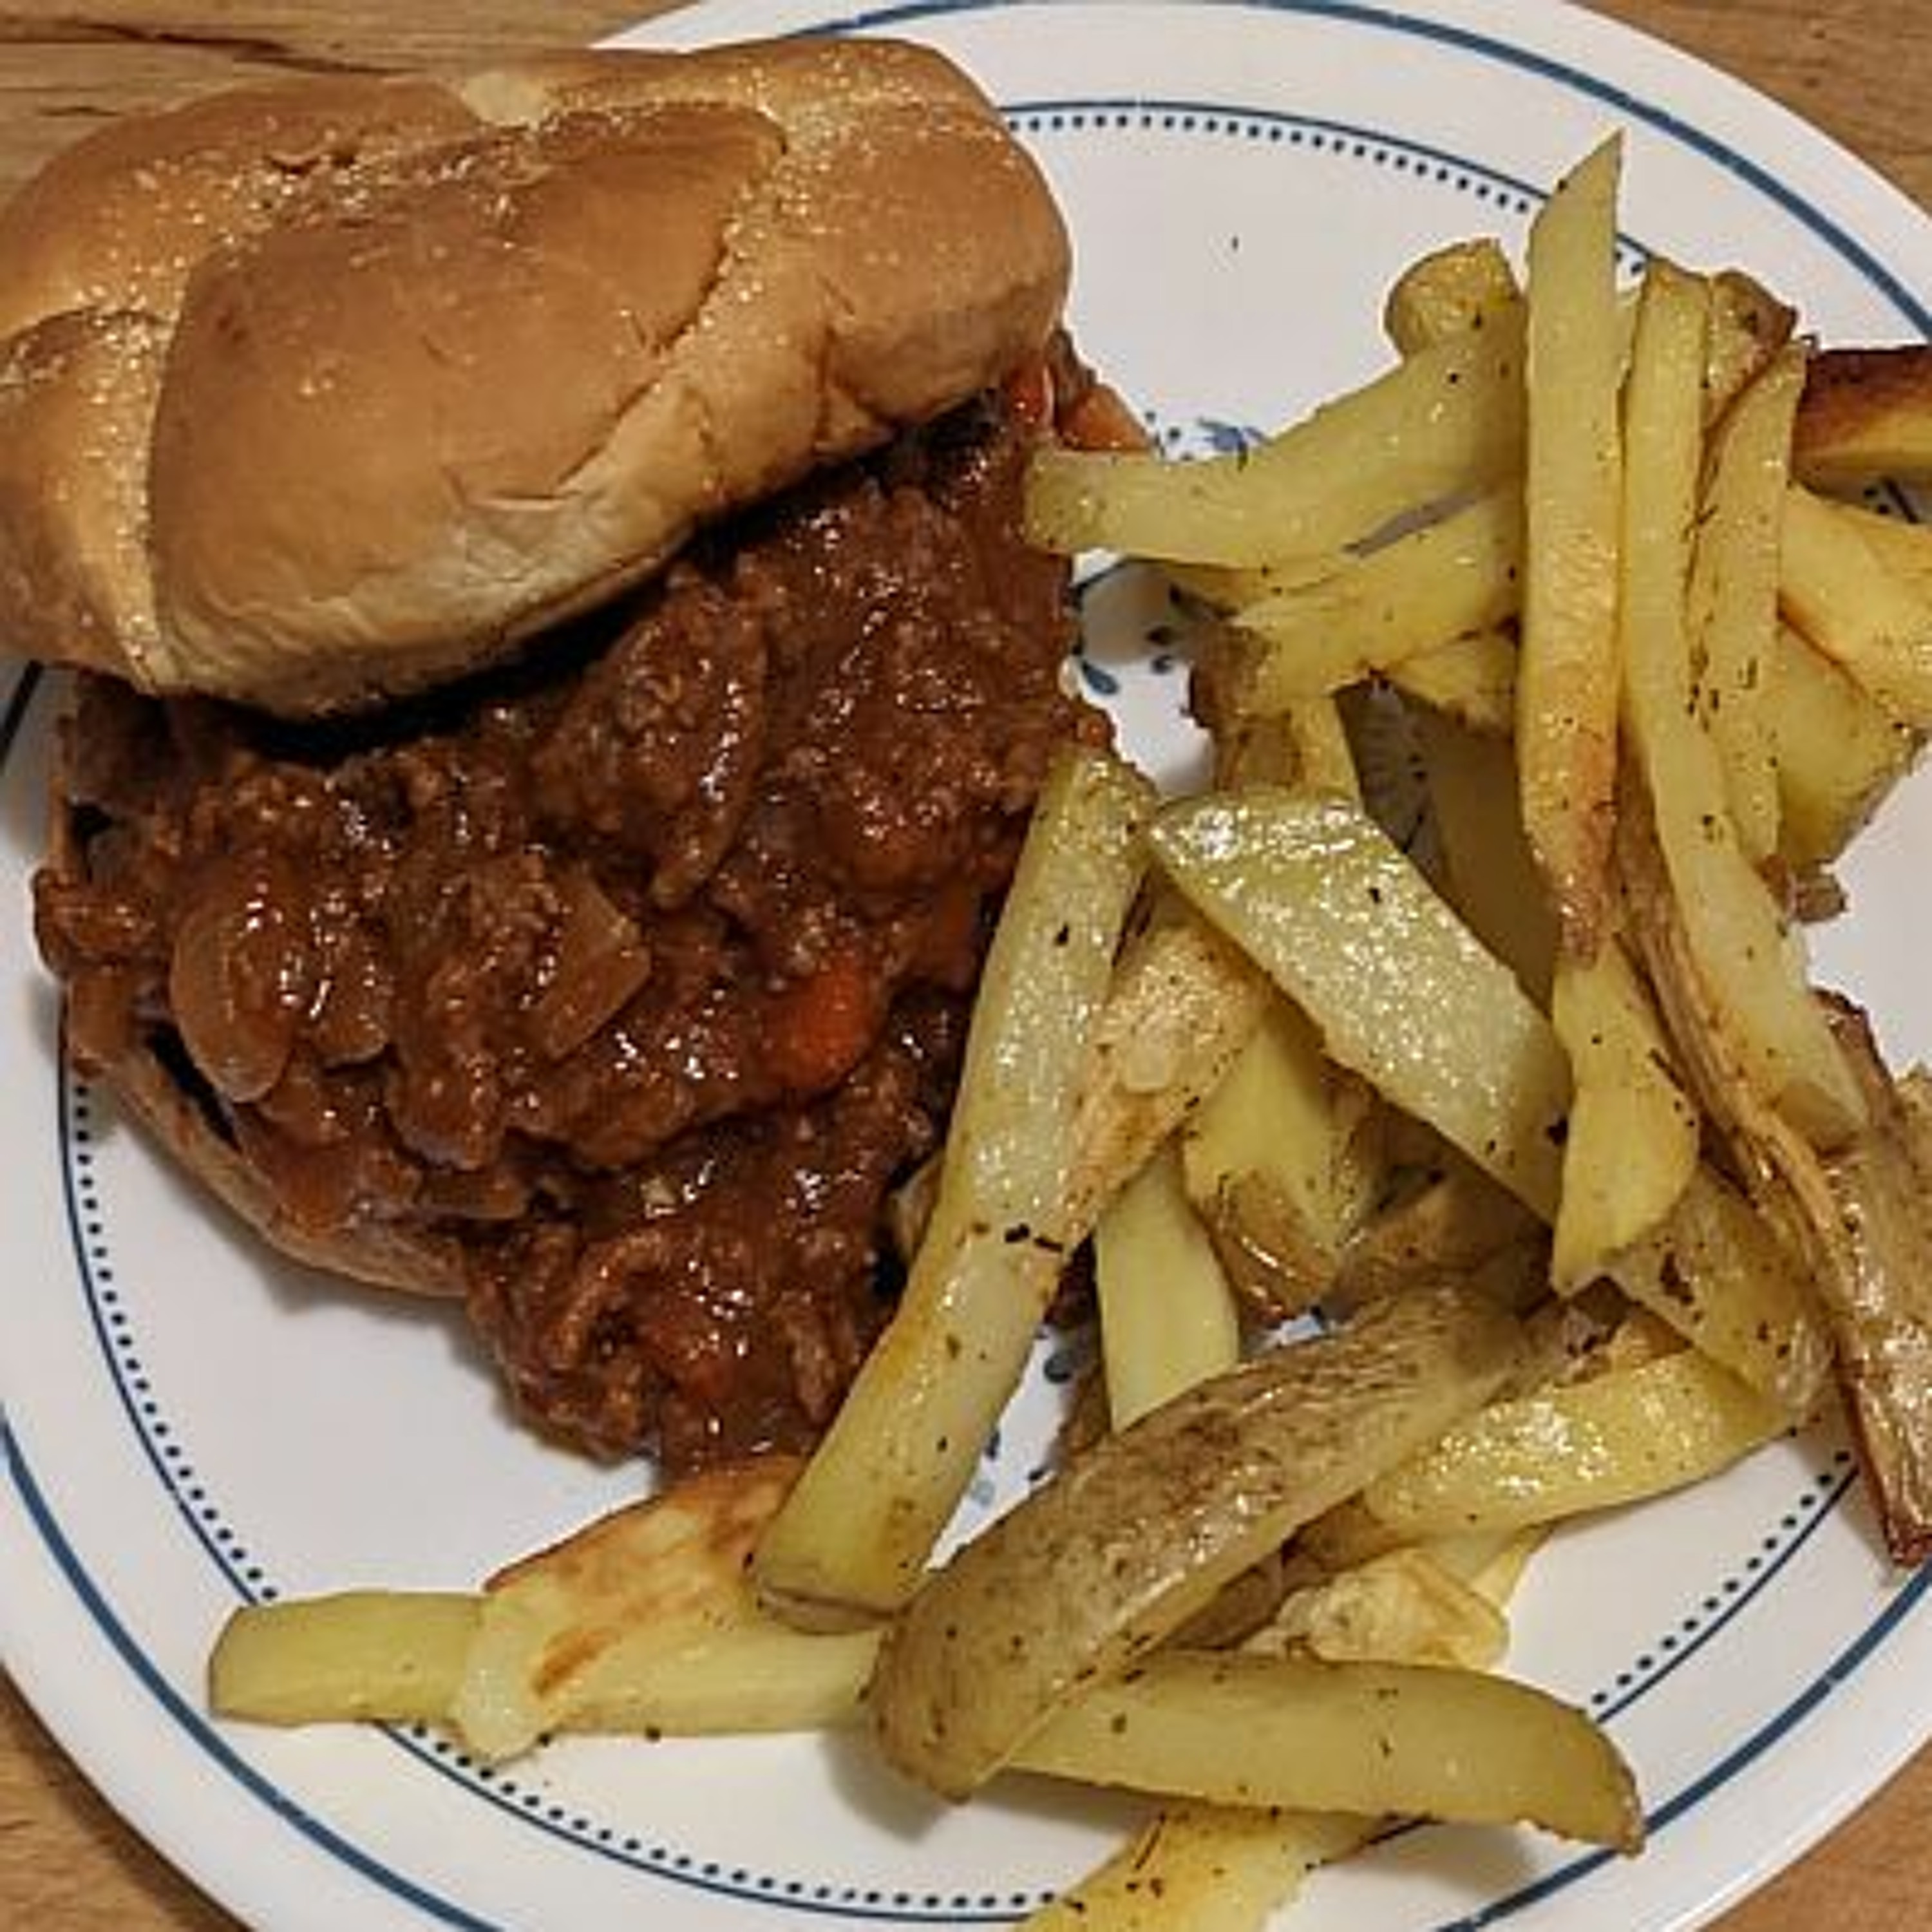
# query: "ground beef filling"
638, 984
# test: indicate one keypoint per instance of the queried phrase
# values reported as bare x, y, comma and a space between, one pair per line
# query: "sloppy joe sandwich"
560, 686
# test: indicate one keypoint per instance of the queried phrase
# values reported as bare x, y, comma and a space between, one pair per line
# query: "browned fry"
1866, 415
1878, 1287
1734, 927
1720, 1274
1304, 746
1456, 1222
1281, 1162
1861, 1216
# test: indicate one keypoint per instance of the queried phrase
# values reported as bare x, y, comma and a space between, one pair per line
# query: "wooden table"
1862, 69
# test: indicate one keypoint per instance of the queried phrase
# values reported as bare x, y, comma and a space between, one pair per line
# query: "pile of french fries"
1513, 1078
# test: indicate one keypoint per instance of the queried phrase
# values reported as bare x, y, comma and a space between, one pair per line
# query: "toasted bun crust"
382, 1255
319, 394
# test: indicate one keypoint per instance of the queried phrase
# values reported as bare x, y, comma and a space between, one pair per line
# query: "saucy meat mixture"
639, 984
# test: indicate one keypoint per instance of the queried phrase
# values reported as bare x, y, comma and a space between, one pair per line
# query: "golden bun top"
315, 394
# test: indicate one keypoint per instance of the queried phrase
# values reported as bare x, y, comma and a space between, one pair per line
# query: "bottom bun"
163, 1103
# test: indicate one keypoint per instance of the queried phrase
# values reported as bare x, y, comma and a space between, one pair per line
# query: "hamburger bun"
592, 491
319, 395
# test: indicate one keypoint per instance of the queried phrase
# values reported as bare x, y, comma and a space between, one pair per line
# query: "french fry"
1904, 548
1400, 989
1857, 1215
1639, 1339
1469, 676
1229, 1869
1276, 1163
1167, 1322
1303, 745
1348, 1540
1167, 1318
851, 1541
1568, 687
1449, 291
1498, 1577
1870, 1231
1424, 589
1866, 416
1913, 1089
382, 1656
1731, 922
1226, 588
1395, 788
1838, 752
1490, 875
1345, 1538
1325, 759
1365, 1738
1183, 1003
909, 1207
1836, 588
1749, 326
1472, 680
645, 1620
640, 1623
1445, 422
1569, 1338
1633, 1140
1457, 1223
751, 1676
1725, 1281
1567, 674
1208, 1868
1401, 1607
1566, 1451
1089, 1573
1734, 578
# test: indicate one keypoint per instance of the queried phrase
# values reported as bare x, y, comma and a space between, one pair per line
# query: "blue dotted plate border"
1821, 1496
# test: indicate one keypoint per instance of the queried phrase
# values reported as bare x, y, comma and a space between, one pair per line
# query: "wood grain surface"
1861, 69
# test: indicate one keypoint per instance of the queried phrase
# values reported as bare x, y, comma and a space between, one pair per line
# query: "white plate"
185, 1426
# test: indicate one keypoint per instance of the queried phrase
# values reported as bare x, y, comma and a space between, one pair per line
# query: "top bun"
317, 394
